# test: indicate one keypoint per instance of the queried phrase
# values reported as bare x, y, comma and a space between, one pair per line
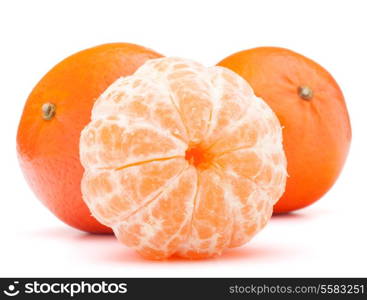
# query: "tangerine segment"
182, 160
119, 142
192, 98
212, 222
147, 102
231, 100
253, 183
157, 229
190, 92
115, 194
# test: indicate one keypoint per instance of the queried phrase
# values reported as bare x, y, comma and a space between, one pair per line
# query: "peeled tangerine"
181, 159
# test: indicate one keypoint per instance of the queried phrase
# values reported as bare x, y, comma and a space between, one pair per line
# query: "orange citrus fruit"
312, 110
56, 111
182, 160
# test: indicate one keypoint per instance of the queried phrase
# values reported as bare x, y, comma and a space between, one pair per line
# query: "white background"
326, 239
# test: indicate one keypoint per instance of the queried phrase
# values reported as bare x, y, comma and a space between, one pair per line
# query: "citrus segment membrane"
182, 160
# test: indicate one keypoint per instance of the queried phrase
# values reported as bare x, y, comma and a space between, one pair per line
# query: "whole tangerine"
312, 110
56, 111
